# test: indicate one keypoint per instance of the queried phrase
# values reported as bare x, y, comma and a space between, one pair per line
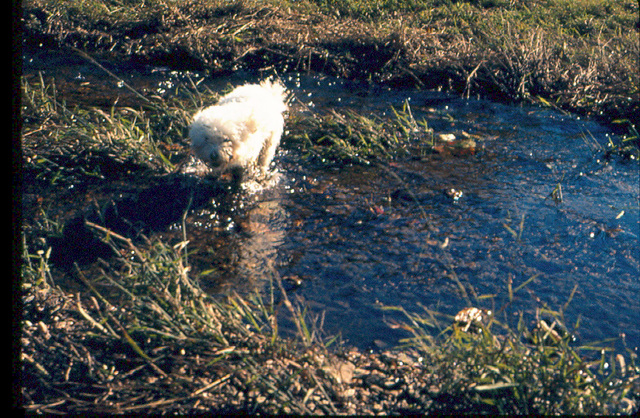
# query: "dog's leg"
266, 154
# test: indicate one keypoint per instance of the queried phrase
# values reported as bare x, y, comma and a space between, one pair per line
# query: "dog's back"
268, 94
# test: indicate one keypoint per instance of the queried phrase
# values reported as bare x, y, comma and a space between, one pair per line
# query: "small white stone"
446, 137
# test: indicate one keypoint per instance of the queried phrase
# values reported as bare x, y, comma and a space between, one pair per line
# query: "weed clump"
353, 138
95, 143
491, 368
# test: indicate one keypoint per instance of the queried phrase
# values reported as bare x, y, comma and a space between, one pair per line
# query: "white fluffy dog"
241, 133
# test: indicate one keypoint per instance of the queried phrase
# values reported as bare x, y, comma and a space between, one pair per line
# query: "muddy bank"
581, 60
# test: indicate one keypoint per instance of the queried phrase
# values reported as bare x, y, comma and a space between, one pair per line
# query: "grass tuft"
352, 138
517, 371
144, 320
94, 142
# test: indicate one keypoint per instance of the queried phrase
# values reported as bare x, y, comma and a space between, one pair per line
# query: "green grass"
123, 135
74, 144
348, 137
527, 370
141, 319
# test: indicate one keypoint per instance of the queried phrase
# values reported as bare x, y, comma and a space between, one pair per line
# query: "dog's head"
211, 142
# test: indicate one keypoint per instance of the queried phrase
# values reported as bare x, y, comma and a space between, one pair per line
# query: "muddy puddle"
349, 240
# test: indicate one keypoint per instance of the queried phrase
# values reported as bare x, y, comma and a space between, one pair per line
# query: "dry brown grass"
581, 58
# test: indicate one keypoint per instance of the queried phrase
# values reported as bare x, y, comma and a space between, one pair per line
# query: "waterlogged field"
333, 287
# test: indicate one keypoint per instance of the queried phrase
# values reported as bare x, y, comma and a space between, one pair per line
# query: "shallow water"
361, 256
355, 238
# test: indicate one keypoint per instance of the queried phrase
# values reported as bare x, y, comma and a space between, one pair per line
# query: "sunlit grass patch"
61, 141
486, 366
143, 336
71, 144
581, 56
351, 137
